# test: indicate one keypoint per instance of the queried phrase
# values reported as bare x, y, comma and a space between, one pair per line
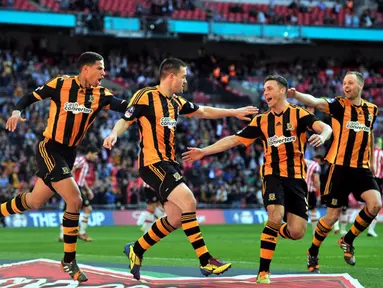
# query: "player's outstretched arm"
323, 131
224, 144
207, 112
307, 99
119, 128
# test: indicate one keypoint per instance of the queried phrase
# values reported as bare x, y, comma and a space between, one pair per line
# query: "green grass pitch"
236, 243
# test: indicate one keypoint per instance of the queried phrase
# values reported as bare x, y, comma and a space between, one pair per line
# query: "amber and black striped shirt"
157, 116
352, 127
74, 108
284, 140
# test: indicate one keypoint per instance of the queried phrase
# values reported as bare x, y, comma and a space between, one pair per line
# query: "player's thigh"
273, 197
173, 213
183, 197
296, 194
40, 194
337, 187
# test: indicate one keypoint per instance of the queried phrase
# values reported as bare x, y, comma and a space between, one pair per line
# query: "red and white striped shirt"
81, 167
378, 163
312, 168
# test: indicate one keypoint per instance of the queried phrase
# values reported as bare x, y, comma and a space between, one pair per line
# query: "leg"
371, 229
69, 191
269, 238
160, 229
365, 216
84, 223
25, 201
183, 197
343, 220
147, 218
366, 189
312, 199
273, 199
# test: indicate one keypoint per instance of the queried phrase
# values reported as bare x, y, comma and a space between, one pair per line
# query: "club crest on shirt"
289, 127
370, 117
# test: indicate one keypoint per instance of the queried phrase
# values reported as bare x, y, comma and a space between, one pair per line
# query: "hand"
192, 155
13, 120
242, 113
316, 140
110, 141
291, 93
90, 195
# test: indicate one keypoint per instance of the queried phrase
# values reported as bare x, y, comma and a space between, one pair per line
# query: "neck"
83, 82
279, 107
357, 101
166, 90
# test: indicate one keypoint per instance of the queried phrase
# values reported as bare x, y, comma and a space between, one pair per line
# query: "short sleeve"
47, 90
334, 106
186, 107
306, 120
136, 105
251, 132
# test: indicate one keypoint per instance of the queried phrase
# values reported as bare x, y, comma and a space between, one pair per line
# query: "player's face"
274, 94
95, 73
93, 156
351, 87
179, 80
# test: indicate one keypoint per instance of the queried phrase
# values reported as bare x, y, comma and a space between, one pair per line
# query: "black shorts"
54, 161
289, 192
150, 196
341, 181
163, 177
312, 199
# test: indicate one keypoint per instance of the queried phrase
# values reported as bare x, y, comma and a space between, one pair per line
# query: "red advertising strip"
46, 273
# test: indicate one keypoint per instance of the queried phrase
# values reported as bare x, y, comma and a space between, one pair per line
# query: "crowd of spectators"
230, 179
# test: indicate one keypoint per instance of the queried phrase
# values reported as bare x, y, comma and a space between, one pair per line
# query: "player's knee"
35, 203
175, 221
74, 203
374, 208
297, 232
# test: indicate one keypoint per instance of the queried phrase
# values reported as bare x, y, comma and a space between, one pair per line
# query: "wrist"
16, 113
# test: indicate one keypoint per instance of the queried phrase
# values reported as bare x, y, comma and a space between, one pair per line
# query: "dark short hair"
92, 149
358, 75
319, 157
171, 65
88, 58
279, 79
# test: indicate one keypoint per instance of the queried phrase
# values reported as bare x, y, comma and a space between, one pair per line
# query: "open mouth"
268, 99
